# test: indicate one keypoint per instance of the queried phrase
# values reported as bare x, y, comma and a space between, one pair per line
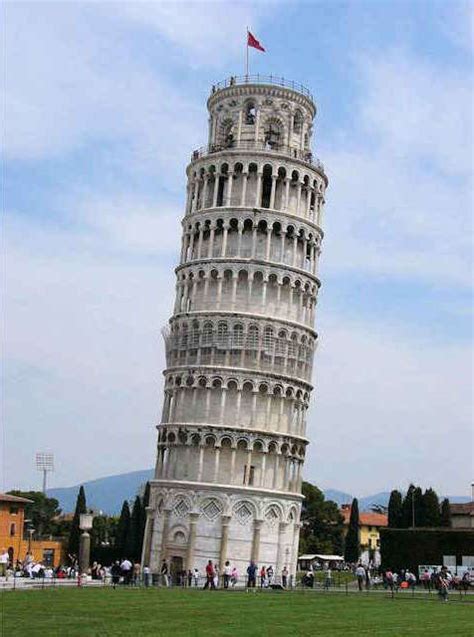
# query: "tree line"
417, 509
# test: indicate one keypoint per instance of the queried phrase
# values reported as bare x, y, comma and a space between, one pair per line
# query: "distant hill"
107, 494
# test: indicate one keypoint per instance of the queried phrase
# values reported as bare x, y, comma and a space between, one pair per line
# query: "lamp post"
85, 524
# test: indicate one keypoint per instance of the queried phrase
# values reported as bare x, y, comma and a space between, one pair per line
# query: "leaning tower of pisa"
241, 340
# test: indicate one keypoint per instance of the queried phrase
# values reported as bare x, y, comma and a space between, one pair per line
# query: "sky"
104, 103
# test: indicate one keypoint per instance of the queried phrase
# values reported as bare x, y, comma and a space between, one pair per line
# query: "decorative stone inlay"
243, 513
211, 509
272, 516
181, 508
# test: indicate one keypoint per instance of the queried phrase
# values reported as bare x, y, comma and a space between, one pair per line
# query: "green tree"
123, 529
430, 513
75, 532
395, 514
445, 513
133, 544
412, 507
41, 511
145, 504
352, 545
322, 523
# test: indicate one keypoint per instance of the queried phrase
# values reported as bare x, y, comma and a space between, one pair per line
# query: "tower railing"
288, 151
272, 80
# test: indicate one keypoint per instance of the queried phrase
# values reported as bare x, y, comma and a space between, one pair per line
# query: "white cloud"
400, 197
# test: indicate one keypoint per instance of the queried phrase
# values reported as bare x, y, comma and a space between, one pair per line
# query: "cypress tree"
352, 544
75, 532
430, 514
123, 530
445, 513
412, 503
145, 504
395, 514
133, 544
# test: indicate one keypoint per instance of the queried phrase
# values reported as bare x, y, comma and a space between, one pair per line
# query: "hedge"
408, 548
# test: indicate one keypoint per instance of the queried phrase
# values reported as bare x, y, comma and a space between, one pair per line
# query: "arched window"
238, 335
273, 134
298, 122
207, 334
250, 113
222, 334
252, 337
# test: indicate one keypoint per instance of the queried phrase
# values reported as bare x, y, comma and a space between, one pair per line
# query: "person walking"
116, 572
234, 576
146, 575
164, 572
126, 567
360, 574
251, 574
443, 583
210, 574
4, 559
196, 577
328, 579
270, 574
284, 577
263, 576
227, 574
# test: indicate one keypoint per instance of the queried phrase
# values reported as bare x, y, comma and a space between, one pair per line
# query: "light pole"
85, 524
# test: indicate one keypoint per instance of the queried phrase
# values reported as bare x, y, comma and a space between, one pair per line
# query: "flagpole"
247, 55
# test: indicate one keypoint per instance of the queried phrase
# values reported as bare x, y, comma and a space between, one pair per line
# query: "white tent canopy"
324, 558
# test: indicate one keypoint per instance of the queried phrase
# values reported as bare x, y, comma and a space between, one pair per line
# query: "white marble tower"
240, 343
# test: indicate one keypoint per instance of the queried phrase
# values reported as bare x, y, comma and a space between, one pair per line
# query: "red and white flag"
253, 42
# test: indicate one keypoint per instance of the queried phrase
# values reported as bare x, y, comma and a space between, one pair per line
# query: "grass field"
142, 612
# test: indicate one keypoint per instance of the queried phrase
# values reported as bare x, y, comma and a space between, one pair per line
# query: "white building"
240, 344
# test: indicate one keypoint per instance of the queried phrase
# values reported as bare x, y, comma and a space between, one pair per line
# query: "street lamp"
85, 524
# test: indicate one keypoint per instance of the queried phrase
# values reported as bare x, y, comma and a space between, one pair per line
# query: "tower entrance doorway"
176, 569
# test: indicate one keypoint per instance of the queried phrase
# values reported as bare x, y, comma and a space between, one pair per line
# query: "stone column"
244, 188
282, 248
200, 240
216, 190
217, 453
235, 278
287, 193
220, 280
230, 181
193, 518
232, 465
224, 540
211, 242
257, 528
224, 241
254, 240
273, 191
269, 244
201, 463
280, 550
298, 198
164, 534
295, 250
258, 195
204, 191
239, 238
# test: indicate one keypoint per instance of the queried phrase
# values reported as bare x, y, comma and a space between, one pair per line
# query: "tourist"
426, 579
136, 573
210, 574
126, 567
410, 578
164, 573
146, 575
251, 574
234, 576
4, 559
389, 579
196, 577
189, 578
263, 576
328, 579
95, 571
443, 584
284, 577
466, 581
116, 572
227, 574
360, 574
270, 574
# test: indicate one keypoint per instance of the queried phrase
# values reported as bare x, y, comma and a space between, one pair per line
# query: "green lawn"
141, 612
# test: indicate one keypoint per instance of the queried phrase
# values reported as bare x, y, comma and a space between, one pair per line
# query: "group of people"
227, 577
